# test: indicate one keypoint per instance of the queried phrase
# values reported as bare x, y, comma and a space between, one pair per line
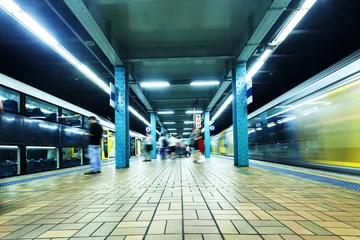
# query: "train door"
105, 145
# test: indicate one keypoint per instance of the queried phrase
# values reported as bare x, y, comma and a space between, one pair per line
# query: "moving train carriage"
320, 128
40, 132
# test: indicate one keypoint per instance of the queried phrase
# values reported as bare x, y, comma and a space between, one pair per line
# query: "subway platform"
178, 199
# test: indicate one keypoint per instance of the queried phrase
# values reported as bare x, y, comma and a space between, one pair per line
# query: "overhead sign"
198, 120
112, 95
147, 129
212, 127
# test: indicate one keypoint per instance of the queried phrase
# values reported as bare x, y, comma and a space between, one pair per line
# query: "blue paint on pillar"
207, 135
153, 134
240, 121
162, 130
122, 137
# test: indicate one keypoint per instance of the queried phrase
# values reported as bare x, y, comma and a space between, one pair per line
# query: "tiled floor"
177, 199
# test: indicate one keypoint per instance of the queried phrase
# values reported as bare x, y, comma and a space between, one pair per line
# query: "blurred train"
316, 124
39, 132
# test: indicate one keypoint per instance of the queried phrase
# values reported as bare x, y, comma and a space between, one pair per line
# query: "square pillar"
162, 129
207, 135
122, 136
240, 121
153, 134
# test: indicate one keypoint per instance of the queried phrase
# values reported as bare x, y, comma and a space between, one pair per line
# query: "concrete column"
240, 121
122, 137
207, 139
153, 134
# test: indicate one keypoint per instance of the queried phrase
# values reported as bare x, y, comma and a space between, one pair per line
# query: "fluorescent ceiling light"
186, 133
259, 129
169, 123
132, 110
188, 122
251, 131
172, 129
166, 112
204, 83
158, 132
17, 13
192, 112
258, 64
186, 129
35, 147
222, 108
293, 22
154, 84
272, 124
8, 147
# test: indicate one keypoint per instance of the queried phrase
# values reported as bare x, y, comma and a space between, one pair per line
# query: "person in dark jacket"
95, 136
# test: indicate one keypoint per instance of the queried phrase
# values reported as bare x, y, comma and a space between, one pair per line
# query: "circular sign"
212, 127
147, 129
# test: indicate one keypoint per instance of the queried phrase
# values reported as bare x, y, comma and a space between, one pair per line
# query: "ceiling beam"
178, 58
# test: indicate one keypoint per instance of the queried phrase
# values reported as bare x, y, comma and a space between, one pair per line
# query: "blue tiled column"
153, 134
122, 138
207, 135
240, 122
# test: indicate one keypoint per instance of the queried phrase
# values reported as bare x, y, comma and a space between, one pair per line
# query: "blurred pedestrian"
172, 146
95, 136
197, 136
163, 145
148, 147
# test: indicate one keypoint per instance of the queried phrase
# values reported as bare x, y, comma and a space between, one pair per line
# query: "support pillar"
162, 129
153, 134
122, 136
240, 121
207, 135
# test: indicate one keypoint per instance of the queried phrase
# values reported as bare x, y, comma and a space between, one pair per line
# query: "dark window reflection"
41, 110
71, 157
8, 161
71, 118
41, 159
86, 123
10, 100
86, 156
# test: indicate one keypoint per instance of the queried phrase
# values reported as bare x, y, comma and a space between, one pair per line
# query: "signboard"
147, 129
212, 128
198, 120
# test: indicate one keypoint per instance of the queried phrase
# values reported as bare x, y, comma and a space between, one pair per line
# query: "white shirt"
149, 140
161, 142
172, 141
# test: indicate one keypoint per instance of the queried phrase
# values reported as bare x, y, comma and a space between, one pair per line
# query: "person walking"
148, 147
172, 145
163, 144
95, 136
197, 137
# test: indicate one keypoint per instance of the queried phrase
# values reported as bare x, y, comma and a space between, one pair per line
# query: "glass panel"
86, 123
10, 100
86, 156
71, 118
9, 161
41, 110
71, 157
41, 159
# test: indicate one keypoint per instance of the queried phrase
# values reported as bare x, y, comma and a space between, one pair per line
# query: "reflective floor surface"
178, 199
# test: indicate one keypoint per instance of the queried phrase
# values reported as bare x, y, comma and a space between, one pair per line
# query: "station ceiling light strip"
28, 22
283, 34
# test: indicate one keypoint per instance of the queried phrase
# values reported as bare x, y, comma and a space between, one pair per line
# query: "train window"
9, 161
10, 100
86, 123
71, 118
41, 110
41, 159
71, 157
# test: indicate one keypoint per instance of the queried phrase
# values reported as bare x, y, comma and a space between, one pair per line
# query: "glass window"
71, 157
10, 100
41, 110
9, 161
41, 159
71, 118
86, 123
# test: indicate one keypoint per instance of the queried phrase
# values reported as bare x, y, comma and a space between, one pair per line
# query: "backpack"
165, 143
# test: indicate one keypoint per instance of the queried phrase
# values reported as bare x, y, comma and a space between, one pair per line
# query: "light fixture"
222, 108
172, 129
165, 112
8, 147
169, 123
204, 83
272, 124
186, 133
192, 111
154, 84
22, 17
258, 64
288, 119
258, 129
132, 110
36, 147
186, 129
251, 131
188, 122
293, 22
